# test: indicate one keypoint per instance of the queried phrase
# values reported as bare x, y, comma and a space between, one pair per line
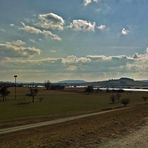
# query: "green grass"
58, 104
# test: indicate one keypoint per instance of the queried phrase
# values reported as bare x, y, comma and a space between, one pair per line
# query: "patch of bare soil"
89, 132
136, 139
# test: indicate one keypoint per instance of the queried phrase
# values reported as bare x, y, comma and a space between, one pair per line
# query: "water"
126, 89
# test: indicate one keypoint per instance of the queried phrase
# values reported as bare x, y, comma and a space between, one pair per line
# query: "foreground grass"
56, 104
88, 132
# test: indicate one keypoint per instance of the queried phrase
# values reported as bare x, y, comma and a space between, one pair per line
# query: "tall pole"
15, 76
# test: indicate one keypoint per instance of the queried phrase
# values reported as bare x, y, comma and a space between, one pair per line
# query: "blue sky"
73, 39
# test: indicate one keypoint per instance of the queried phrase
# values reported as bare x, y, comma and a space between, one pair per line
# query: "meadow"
52, 104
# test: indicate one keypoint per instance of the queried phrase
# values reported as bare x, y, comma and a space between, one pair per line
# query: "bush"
125, 101
113, 98
145, 98
118, 96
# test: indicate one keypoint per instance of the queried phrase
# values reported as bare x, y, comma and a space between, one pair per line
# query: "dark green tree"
48, 85
113, 98
4, 92
33, 92
89, 89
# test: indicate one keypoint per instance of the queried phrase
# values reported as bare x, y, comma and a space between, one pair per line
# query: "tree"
113, 98
47, 85
4, 92
33, 93
89, 89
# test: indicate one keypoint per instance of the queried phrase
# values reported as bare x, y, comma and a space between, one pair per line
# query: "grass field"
90, 132
57, 104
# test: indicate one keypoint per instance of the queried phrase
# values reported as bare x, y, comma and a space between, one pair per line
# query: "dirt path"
137, 139
52, 122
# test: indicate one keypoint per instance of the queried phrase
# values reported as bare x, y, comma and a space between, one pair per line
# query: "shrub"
145, 98
118, 96
125, 101
113, 98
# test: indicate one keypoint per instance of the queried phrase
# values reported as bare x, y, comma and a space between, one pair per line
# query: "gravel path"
138, 139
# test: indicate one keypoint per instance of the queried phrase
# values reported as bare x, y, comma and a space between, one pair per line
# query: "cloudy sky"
73, 39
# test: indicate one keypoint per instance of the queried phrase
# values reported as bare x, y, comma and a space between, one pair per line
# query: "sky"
88, 40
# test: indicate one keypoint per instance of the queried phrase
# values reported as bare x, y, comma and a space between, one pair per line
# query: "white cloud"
12, 25
87, 2
140, 57
102, 27
50, 21
17, 49
93, 64
82, 25
147, 50
99, 57
72, 68
74, 60
33, 30
96, 66
124, 31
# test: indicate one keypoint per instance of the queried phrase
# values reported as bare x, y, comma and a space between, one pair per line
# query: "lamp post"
15, 76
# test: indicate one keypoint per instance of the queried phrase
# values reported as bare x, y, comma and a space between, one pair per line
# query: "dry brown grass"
85, 132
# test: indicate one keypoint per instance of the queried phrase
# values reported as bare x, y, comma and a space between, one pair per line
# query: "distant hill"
113, 83
121, 83
72, 81
144, 80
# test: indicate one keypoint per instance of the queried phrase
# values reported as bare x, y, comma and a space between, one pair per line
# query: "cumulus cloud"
88, 2
17, 49
102, 27
68, 60
89, 63
72, 68
99, 57
147, 50
124, 31
48, 60
74, 60
140, 57
12, 25
34, 30
50, 21
82, 25
92, 64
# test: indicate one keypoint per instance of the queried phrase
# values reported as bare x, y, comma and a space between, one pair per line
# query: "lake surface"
126, 89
